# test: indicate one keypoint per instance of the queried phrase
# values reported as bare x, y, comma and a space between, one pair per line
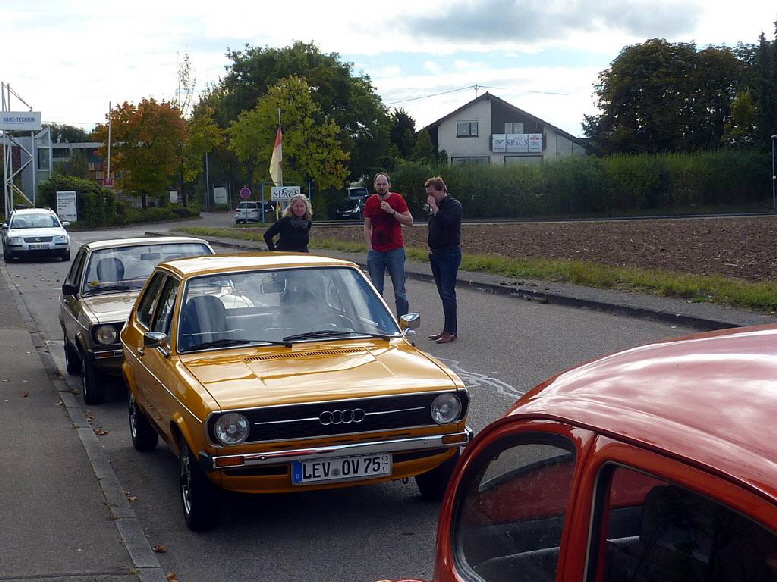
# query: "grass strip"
755, 296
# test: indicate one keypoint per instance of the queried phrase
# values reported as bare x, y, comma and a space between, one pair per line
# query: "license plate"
38, 247
340, 469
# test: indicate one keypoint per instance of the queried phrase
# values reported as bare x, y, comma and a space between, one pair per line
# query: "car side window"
164, 312
75, 268
149, 299
657, 530
509, 520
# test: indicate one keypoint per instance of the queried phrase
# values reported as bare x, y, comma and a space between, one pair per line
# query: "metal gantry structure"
8, 140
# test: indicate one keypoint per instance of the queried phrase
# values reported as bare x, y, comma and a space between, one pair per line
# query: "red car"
656, 463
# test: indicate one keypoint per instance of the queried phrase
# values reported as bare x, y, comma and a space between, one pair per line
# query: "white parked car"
35, 232
247, 212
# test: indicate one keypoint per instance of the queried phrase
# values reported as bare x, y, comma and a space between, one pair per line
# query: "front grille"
342, 417
37, 239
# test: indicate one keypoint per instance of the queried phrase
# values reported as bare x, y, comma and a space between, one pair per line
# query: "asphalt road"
505, 347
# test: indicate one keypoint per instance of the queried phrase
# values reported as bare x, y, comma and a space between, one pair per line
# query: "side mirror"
65, 224
154, 339
69, 289
4, 226
410, 321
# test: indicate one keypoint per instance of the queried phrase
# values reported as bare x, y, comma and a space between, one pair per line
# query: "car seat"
203, 319
110, 269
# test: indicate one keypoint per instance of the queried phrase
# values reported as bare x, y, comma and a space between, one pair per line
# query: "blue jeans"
445, 266
378, 262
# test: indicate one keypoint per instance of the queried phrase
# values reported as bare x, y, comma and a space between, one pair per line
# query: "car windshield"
349, 204
125, 268
283, 306
34, 221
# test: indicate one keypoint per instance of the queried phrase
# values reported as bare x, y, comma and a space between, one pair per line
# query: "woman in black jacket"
293, 227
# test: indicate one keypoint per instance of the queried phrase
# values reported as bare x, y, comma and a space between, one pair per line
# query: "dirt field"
744, 247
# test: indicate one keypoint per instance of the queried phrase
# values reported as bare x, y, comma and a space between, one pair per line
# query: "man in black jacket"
444, 240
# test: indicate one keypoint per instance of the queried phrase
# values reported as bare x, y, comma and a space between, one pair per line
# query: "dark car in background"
351, 209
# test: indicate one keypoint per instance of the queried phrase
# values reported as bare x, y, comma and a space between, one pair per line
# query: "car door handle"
141, 351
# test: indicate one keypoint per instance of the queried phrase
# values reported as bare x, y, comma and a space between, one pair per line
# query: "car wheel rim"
133, 418
186, 483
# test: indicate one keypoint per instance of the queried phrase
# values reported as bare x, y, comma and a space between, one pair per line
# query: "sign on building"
20, 121
67, 208
520, 143
284, 192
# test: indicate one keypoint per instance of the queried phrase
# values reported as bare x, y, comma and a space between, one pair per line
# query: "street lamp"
774, 178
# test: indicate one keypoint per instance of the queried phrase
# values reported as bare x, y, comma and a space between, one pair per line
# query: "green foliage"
350, 100
204, 135
66, 133
311, 146
665, 97
589, 186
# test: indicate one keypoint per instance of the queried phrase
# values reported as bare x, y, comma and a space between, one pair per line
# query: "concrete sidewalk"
64, 514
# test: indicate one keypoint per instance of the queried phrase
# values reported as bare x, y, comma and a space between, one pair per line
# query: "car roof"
709, 398
33, 211
204, 265
138, 241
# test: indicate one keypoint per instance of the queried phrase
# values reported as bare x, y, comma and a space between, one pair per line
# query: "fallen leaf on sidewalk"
160, 549
25, 394
100, 431
172, 577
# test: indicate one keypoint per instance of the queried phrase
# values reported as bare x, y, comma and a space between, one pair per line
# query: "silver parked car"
35, 232
98, 293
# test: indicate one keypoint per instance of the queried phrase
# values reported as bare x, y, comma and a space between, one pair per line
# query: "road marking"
474, 380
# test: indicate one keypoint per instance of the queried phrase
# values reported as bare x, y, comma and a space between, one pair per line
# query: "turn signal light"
230, 462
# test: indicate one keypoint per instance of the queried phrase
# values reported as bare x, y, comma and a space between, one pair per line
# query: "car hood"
110, 307
30, 232
315, 372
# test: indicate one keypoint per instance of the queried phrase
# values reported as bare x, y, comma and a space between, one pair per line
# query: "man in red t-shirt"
384, 215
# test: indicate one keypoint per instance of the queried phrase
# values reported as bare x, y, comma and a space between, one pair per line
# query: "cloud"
531, 21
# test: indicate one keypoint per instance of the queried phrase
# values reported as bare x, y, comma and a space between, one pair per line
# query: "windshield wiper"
219, 343
332, 333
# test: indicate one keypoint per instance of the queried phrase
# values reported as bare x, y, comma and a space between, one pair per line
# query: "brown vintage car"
103, 282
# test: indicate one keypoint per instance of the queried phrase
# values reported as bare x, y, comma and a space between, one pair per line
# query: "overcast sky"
69, 59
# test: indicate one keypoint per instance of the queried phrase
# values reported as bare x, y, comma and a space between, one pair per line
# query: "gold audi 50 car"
273, 372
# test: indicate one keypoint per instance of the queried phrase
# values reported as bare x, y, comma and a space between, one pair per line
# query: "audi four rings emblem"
354, 416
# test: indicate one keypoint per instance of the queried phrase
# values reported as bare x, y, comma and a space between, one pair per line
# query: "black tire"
66, 256
144, 436
92, 387
433, 484
72, 359
199, 496
7, 256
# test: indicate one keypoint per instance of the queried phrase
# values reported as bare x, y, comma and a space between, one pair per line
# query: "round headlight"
446, 408
106, 335
231, 428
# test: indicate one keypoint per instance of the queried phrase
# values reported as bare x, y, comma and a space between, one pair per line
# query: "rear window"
249, 205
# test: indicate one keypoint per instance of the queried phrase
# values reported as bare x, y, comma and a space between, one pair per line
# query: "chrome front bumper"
449, 440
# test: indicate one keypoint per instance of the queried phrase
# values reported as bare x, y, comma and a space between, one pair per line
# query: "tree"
61, 133
424, 150
665, 97
146, 145
403, 132
348, 99
204, 135
765, 89
311, 145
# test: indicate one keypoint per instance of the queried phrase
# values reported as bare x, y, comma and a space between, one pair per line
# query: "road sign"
245, 192
108, 182
284, 192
